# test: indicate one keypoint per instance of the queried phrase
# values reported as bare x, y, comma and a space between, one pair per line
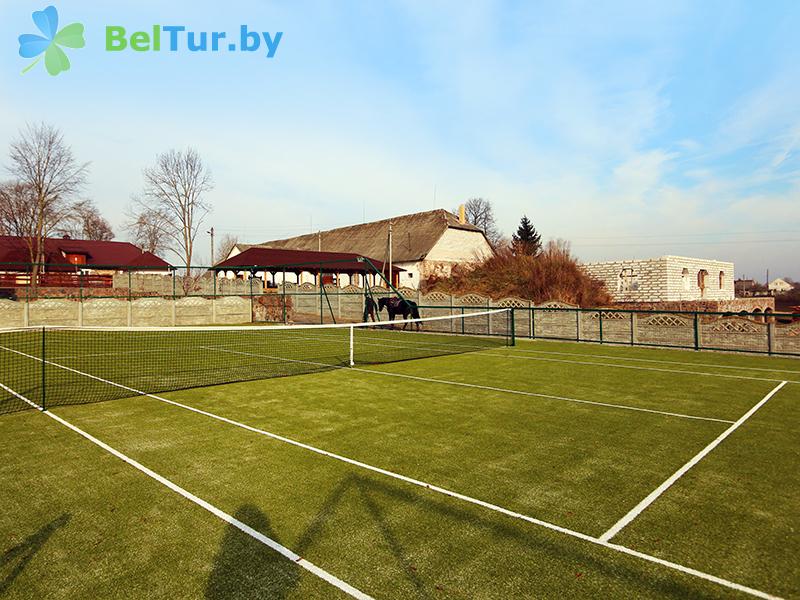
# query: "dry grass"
553, 274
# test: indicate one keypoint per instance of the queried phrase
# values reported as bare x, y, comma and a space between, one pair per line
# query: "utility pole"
211, 233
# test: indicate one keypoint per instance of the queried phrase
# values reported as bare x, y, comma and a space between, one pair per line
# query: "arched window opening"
721, 279
685, 279
702, 276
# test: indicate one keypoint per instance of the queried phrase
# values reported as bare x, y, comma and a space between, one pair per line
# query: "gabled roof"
106, 254
414, 236
299, 260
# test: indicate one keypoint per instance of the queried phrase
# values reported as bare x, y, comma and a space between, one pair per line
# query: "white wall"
410, 277
663, 280
460, 246
456, 246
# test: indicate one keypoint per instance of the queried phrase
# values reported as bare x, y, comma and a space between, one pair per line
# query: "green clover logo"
32, 45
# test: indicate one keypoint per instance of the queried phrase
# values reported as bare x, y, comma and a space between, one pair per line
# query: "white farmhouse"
779, 286
665, 279
423, 244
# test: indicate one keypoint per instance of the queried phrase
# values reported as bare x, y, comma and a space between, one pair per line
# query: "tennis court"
331, 461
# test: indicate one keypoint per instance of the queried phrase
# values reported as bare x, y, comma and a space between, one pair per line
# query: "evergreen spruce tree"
526, 240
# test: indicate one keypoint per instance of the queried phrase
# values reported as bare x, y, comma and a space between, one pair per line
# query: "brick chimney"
462, 215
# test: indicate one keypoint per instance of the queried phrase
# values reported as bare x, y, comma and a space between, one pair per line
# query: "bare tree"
17, 214
226, 245
51, 178
146, 230
479, 212
86, 222
173, 200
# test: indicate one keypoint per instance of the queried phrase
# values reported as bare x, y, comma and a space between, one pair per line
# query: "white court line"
653, 360
475, 386
21, 397
243, 527
434, 488
638, 368
652, 496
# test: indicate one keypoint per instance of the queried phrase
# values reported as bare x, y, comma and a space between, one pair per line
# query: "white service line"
652, 496
231, 520
638, 368
440, 490
475, 386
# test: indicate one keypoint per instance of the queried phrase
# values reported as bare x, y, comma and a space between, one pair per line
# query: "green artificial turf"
78, 522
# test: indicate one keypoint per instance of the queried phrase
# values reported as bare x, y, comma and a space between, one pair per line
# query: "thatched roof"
414, 236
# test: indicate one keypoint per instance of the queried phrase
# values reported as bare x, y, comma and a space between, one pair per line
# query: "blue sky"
631, 129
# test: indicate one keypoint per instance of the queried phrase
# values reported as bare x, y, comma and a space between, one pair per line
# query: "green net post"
696, 331
44, 365
577, 325
513, 329
533, 323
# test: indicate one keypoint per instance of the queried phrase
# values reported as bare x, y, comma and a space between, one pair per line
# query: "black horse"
396, 306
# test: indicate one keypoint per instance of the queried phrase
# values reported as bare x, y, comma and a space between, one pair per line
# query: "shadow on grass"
246, 568
20, 555
637, 577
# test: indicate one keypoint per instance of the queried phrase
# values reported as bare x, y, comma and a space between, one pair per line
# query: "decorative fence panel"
158, 300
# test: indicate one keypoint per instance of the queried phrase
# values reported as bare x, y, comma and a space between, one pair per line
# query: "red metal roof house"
65, 259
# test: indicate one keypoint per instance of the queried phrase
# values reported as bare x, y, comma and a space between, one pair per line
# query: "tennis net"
53, 366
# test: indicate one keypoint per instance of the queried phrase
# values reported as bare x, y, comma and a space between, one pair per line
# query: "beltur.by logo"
176, 37
173, 38
49, 43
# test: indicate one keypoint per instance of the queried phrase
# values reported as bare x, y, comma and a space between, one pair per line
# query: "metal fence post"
462, 319
283, 285
513, 340
577, 325
696, 331
633, 328
600, 323
252, 316
319, 285
769, 337
533, 322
